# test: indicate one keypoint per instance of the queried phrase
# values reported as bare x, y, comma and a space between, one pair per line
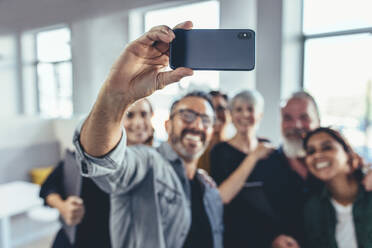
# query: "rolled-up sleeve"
116, 172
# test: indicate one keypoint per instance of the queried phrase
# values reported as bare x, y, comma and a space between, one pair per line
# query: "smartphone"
213, 49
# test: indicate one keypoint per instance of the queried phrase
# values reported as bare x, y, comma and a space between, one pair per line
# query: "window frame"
37, 62
322, 35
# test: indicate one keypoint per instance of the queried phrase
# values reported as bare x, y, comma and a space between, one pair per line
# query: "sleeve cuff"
98, 166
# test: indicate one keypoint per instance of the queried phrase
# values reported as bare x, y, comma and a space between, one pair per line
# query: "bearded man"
277, 187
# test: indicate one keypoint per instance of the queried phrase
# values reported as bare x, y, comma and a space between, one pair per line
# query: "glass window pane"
338, 73
332, 15
55, 89
53, 45
54, 70
64, 76
47, 90
192, 12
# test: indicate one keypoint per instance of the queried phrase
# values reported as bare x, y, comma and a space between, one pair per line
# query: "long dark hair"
337, 136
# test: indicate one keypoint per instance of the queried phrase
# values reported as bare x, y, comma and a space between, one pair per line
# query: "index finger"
157, 34
184, 25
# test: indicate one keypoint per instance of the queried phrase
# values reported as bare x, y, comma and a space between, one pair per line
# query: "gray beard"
293, 148
180, 149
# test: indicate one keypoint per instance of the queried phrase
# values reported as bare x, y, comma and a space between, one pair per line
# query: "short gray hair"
252, 97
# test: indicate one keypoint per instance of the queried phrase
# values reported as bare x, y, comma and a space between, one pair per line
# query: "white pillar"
237, 14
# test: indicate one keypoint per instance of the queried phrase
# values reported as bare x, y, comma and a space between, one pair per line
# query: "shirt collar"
166, 150
325, 194
168, 153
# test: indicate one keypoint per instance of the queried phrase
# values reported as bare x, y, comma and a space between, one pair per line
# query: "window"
336, 15
203, 80
54, 73
337, 66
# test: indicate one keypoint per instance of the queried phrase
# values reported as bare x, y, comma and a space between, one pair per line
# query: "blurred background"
55, 55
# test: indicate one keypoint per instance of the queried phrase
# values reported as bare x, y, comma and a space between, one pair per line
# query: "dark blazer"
66, 180
320, 220
270, 204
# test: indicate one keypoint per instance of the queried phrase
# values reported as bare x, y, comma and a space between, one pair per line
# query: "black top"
258, 214
200, 234
93, 231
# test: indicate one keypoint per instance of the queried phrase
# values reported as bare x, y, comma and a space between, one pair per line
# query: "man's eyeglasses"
189, 116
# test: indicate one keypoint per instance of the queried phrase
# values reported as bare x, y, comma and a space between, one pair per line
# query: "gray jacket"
150, 195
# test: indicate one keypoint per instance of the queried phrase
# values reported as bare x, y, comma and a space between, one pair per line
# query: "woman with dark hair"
340, 216
84, 208
220, 103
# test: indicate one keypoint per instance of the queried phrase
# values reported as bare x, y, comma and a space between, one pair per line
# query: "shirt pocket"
169, 202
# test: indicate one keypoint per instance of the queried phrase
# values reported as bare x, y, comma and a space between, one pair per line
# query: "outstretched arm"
137, 73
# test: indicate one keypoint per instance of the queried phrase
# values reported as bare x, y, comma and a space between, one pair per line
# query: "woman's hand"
235, 182
262, 150
72, 210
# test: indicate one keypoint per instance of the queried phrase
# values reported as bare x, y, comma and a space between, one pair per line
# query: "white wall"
292, 47
268, 67
25, 131
8, 75
22, 131
20, 15
96, 43
64, 131
238, 14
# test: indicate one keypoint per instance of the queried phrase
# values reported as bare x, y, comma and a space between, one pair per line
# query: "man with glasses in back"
158, 197
220, 102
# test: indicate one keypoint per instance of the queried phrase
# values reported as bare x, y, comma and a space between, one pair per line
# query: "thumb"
168, 77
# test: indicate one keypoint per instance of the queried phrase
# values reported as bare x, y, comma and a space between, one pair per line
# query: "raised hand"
262, 150
139, 71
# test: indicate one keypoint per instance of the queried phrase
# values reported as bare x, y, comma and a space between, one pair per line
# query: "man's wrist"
113, 104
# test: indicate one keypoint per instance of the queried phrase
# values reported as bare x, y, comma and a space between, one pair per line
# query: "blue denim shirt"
150, 195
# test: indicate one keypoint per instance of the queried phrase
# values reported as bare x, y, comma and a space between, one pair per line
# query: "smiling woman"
233, 163
137, 123
342, 209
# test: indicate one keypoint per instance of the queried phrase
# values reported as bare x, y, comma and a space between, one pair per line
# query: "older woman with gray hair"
233, 163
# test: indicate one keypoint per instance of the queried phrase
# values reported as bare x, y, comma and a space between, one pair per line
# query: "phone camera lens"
244, 35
